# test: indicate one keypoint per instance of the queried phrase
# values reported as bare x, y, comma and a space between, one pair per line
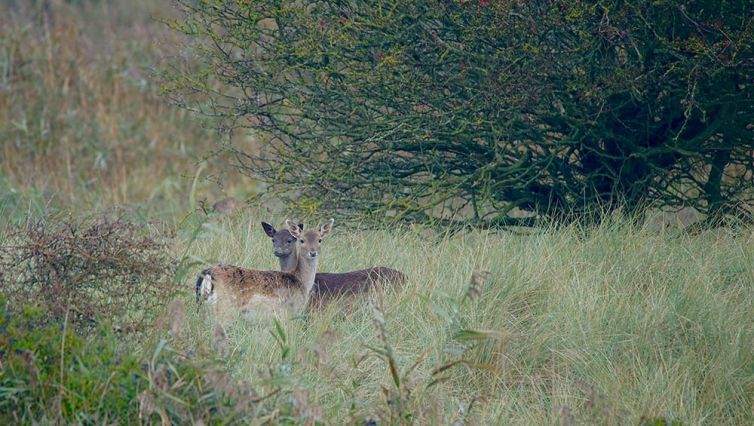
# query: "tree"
482, 111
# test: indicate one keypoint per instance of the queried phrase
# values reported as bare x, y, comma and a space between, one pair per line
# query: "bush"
85, 271
479, 111
53, 376
49, 375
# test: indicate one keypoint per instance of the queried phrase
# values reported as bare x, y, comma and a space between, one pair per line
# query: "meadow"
622, 323
601, 326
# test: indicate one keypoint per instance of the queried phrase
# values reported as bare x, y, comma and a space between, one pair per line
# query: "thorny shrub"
84, 271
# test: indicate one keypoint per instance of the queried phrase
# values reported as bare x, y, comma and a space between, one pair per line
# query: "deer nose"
278, 253
312, 254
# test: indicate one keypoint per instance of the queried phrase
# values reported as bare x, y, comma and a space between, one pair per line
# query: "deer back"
329, 285
241, 284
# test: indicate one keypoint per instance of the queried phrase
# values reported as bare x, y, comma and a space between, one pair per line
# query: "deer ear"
324, 229
269, 229
293, 228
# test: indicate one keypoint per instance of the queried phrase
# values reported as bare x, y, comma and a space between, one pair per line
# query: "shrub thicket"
480, 109
84, 271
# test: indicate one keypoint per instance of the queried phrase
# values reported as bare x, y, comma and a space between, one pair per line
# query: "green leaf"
476, 335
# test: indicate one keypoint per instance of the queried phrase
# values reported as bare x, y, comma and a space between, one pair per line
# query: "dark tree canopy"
479, 111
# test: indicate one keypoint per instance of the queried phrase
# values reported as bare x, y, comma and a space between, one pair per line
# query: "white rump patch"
207, 290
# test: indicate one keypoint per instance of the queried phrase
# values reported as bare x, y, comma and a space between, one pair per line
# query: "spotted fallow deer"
231, 288
329, 285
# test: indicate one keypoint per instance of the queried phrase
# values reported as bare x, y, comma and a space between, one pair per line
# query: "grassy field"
570, 326
600, 327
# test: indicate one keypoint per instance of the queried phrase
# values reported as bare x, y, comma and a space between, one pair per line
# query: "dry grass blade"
379, 322
148, 406
220, 340
478, 279
177, 312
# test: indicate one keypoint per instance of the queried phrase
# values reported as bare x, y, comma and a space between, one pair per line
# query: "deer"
229, 288
228, 206
328, 286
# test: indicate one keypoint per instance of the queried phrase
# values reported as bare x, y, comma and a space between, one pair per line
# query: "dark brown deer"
231, 288
330, 285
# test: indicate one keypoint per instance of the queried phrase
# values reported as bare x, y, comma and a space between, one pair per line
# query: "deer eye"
301, 241
320, 240
290, 241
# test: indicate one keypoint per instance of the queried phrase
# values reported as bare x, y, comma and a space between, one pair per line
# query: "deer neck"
305, 270
289, 263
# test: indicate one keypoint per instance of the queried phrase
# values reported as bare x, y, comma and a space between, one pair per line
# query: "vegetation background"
621, 322
482, 113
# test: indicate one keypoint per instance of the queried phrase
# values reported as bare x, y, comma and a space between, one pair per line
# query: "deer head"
310, 240
283, 243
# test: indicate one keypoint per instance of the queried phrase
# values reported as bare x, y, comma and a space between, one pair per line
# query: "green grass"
608, 325
602, 326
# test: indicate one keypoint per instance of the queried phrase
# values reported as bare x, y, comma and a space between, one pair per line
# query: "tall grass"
82, 122
605, 326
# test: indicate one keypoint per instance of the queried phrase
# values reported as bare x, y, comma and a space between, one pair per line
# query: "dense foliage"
54, 376
431, 109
